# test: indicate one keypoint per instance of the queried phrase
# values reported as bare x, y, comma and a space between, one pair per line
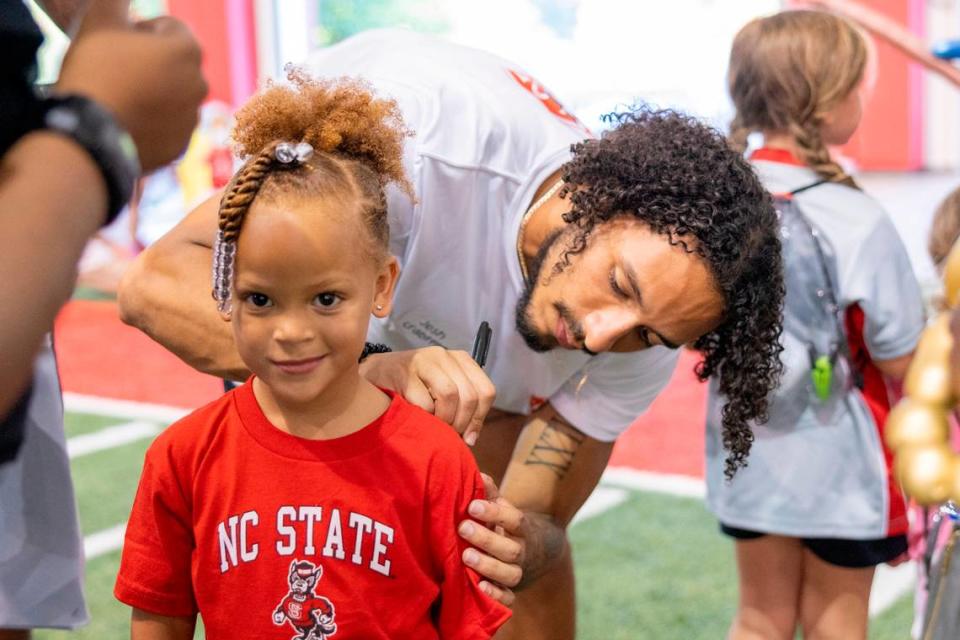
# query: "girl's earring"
379, 307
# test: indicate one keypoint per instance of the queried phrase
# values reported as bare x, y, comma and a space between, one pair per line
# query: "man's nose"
602, 328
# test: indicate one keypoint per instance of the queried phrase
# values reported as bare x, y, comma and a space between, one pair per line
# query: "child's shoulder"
851, 213
850, 217
431, 434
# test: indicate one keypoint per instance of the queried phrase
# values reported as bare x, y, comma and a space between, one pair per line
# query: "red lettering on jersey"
546, 98
536, 402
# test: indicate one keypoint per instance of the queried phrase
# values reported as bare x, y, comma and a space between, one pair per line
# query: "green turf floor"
656, 567
653, 567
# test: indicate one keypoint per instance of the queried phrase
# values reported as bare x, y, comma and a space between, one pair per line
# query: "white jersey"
827, 473
487, 136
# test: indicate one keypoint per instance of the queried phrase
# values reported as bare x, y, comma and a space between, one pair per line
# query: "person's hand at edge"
498, 547
154, 86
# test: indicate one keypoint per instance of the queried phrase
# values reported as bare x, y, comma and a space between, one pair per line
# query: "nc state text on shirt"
298, 531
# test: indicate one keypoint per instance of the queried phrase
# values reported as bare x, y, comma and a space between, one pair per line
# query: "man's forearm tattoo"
556, 447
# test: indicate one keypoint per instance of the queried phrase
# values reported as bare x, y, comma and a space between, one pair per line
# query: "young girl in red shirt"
307, 503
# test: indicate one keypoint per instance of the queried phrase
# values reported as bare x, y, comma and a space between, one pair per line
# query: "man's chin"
527, 329
536, 343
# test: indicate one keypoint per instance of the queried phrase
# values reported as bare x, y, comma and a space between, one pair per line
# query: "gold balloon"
951, 275
926, 472
935, 342
930, 384
917, 429
913, 423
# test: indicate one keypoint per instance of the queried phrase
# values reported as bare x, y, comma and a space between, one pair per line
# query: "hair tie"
287, 152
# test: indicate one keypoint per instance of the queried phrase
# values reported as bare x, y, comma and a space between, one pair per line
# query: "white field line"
110, 437
671, 484
146, 421
103, 542
602, 499
127, 409
890, 584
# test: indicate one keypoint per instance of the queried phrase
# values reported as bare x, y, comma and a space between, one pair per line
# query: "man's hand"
499, 546
146, 73
448, 384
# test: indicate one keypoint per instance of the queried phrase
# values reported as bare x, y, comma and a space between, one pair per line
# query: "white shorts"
41, 551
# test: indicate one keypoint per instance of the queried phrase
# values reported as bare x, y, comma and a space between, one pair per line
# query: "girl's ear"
386, 283
226, 314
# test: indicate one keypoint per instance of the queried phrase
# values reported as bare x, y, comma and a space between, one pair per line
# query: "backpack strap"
809, 186
843, 345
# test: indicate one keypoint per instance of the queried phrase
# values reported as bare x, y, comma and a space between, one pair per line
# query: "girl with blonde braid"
306, 503
817, 508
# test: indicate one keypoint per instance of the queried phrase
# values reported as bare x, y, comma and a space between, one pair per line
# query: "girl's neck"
338, 411
781, 140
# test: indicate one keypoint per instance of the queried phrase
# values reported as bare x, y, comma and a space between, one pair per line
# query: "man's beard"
525, 326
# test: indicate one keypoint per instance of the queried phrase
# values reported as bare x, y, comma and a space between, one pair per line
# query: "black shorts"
854, 554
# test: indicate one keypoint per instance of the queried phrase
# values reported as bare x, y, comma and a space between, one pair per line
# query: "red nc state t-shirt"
267, 535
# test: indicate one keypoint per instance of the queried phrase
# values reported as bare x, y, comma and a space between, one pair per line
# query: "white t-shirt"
487, 136
827, 474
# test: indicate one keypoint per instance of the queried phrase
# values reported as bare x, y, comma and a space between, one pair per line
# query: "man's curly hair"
680, 178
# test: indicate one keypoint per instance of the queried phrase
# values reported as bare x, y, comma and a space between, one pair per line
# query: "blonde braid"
234, 205
815, 155
739, 133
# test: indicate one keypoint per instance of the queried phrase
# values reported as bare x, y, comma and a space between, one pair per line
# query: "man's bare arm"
52, 194
553, 471
166, 294
46, 224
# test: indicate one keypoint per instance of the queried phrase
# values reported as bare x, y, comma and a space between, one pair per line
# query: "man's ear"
386, 284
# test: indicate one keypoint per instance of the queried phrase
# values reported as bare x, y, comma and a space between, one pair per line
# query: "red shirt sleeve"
155, 566
465, 612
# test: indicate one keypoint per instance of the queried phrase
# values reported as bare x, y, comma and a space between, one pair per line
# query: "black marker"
481, 344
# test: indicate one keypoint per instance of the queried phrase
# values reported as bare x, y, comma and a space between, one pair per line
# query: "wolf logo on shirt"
311, 615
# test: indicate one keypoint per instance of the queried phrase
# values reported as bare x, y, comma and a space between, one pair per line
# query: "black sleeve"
19, 104
12, 428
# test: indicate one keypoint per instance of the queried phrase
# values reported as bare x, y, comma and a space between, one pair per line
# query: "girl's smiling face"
306, 281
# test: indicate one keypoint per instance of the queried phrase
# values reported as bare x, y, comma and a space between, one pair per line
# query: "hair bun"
340, 115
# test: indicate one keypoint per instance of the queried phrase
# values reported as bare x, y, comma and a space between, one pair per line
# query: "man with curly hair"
594, 261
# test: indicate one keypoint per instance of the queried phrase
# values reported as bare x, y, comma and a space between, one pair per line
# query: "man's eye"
617, 291
644, 335
326, 299
259, 300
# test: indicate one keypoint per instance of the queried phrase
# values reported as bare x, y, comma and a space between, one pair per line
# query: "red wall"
226, 31
890, 136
